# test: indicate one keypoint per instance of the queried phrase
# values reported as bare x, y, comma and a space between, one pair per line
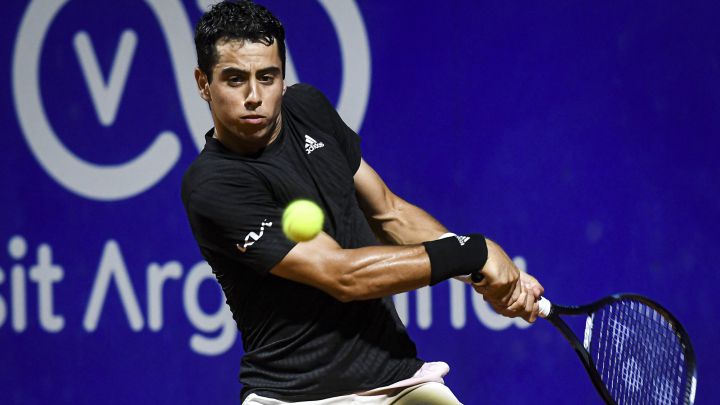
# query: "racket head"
634, 350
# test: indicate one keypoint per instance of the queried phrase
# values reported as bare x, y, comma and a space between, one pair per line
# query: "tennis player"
317, 320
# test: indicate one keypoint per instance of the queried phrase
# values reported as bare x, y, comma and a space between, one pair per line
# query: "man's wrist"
453, 255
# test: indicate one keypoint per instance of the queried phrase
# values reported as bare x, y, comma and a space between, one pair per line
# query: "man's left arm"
394, 220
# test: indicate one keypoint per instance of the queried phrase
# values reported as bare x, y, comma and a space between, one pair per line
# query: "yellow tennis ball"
302, 220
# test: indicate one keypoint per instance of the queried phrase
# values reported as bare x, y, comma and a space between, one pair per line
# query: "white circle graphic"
122, 181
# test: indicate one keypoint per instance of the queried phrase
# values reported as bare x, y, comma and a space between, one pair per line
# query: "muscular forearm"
356, 274
380, 271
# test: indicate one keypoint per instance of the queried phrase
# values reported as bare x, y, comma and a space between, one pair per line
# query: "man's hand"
526, 307
509, 291
532, 285
500, 277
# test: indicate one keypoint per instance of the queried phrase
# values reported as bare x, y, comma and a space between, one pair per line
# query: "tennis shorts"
425, 387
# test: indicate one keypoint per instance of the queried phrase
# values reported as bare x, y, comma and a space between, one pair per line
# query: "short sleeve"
312, 105
237, 219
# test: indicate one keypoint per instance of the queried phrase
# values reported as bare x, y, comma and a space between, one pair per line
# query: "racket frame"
584, 354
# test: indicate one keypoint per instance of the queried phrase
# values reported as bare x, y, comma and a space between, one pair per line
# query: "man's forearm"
378, 271
356, 274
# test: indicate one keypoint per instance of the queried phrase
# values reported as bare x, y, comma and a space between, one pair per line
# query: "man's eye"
235, 80
266, 78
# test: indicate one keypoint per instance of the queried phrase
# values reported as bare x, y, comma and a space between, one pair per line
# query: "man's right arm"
380, 271
355, 274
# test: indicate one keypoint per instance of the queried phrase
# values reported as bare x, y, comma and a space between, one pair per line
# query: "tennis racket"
633, 349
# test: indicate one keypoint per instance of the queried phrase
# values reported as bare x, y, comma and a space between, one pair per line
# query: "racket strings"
639, 355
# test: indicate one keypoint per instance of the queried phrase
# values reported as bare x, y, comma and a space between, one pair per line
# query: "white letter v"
106, 98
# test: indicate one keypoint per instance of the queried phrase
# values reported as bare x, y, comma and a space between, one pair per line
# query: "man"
317, 318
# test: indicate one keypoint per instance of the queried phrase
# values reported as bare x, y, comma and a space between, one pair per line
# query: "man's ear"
202, 84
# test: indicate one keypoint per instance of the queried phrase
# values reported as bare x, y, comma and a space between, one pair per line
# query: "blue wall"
582, 137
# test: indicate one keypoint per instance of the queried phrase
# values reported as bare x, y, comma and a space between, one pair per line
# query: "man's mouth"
252, 119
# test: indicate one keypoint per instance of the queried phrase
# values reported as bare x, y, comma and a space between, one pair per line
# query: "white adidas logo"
311, 144
462, 239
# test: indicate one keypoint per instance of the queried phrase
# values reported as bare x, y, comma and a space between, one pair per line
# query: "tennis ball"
302, 220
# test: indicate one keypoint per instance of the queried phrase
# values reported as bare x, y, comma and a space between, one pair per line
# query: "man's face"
245, 95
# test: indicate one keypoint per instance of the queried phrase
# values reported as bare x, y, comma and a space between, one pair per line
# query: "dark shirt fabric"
299, 342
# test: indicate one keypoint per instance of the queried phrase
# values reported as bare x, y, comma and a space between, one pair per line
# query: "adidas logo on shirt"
462, 239
311, 144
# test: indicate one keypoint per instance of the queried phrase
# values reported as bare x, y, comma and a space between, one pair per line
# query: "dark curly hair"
243, 20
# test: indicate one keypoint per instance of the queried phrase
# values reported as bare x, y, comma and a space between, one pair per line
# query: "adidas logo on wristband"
449, 259
462, 239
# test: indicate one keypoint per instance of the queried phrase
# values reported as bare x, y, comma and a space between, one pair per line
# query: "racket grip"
545, 307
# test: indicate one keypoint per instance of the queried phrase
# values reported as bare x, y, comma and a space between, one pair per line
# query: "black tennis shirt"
300, 343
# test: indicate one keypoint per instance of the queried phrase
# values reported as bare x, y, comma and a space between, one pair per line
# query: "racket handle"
545, 307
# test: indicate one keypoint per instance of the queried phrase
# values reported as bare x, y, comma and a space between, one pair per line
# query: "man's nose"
253, 99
